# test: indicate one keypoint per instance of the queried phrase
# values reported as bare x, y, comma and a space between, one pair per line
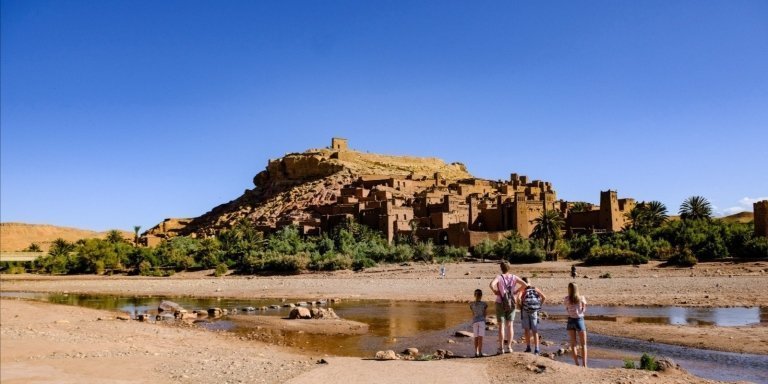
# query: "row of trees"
650, 235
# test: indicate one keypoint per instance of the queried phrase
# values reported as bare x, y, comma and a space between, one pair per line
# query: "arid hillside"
18, 236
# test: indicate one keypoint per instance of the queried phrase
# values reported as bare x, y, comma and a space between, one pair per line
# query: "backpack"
508, 294
531, 300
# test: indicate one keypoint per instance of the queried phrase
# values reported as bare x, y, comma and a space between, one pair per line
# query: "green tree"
114, 236
547, 228
695, 208
646, 216
136, 229
581, 206
34, 247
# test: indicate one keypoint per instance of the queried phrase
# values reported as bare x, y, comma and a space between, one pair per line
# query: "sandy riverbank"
43, 343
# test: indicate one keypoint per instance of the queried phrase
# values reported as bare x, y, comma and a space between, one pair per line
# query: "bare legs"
505, 328
478, 346
582, 336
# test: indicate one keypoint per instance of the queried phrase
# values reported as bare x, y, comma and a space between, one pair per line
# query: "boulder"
165, 317
200, 312
300, 313
411, 351
143, 317
323, 313
289, 305
249, 309
187, 316
168, 306
215, 312
665, 363
464, 334
386, 355
274, 306
443, 354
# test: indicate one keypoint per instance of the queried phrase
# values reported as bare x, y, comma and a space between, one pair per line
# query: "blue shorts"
576, 324
530, 320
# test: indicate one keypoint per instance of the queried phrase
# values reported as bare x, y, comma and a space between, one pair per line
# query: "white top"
575, 311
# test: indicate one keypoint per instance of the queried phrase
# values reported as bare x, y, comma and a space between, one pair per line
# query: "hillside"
741, 217
292, 189
17, 236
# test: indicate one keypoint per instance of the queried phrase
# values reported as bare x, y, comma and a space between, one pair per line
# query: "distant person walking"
442, 271
506, 287
576, 305
573, 271
479, 309
531, 300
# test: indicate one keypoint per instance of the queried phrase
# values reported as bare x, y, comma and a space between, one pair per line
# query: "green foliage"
581, 245
14, 267
517, 250
547, 228
209, 253
580, 206
695, 208
484, 250
330, 262
177, 253
629, 364
447, 253
646, 216
221, 270
33, 247
114, 236
755, 248
424, 251
648, 362
611, 255
683, 258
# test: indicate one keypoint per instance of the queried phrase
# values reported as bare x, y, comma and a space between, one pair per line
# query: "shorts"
530, 320
478, 328
576, 324
502, 316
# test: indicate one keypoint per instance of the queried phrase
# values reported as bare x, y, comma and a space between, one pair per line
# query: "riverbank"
43, 342
705, 285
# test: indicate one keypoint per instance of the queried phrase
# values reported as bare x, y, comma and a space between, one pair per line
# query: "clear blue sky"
122, 113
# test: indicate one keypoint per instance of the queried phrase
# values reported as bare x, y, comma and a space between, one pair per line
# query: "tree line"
650, 235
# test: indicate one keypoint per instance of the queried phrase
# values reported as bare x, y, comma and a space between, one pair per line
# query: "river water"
428, 326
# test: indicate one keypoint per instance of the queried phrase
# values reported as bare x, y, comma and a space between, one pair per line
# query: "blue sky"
122, 113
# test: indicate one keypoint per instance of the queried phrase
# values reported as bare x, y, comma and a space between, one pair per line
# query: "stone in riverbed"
323, 313
411, 351
300, 313
168, 306
386, 355
464, 334
123, 317
215, 312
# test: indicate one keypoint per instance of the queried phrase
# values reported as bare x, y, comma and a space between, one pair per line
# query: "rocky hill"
18, 236
291, 188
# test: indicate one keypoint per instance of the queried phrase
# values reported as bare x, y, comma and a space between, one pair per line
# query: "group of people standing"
515, 294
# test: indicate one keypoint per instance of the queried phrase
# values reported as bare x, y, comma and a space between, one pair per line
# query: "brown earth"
18, 236
44, 343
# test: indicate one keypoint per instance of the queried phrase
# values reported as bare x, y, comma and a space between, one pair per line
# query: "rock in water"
411, 351
386, 355
169, 306
300, 313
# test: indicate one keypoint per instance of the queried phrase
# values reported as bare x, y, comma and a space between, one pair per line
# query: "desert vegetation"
650, 235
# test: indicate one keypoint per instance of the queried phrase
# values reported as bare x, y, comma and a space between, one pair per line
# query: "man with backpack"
531, 300
507, 287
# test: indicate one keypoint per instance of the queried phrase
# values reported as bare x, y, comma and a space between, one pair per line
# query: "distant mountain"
18, 236
741, 217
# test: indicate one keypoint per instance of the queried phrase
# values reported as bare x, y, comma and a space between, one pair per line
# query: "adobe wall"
761, 218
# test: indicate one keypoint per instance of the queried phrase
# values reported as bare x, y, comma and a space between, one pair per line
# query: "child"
479, 308
576, 305
531, 299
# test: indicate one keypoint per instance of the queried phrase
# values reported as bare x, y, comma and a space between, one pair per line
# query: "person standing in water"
531, 300
576, 305
506, 287
479, 309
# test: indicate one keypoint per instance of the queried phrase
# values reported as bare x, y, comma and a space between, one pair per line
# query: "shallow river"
428, 326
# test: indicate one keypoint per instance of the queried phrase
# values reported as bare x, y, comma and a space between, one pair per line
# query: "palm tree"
114, 236
656, 213
136, 229
695, 208
580, 206
547, 228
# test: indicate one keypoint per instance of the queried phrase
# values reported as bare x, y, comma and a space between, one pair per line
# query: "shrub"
629, 364
606, 275
362, 263
400, 253
683, 258
329, 262
286, 263
484, 250
648, 362
581, 245
449, 253
221, 270
607, 255
424, 251
145, 268
756, 248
